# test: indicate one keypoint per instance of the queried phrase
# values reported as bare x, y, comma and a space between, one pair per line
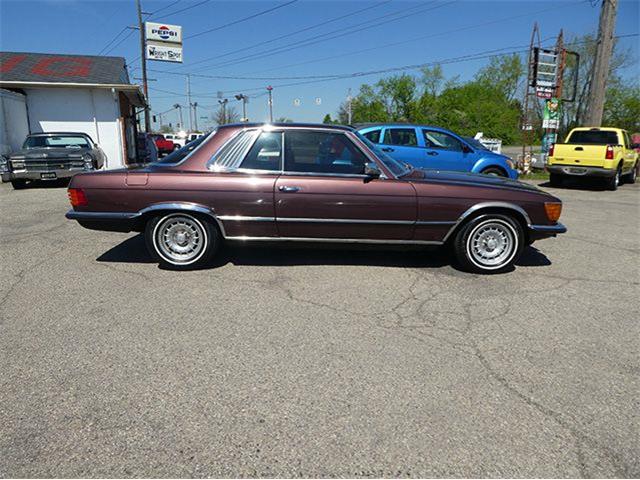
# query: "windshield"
58, 141
397, 168
475, 143
180, 154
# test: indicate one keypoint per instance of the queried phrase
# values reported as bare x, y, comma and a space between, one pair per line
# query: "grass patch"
535, 175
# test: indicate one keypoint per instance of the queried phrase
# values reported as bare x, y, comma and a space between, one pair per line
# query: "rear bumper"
105, 221
578, 171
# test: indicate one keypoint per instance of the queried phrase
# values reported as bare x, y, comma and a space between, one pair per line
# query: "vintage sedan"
311, 183
51, 156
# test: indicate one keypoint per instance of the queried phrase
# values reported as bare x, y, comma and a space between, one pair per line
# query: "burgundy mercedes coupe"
316, 183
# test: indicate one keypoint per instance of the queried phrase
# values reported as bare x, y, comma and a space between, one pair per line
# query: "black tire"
19, 184
495, 171
555, 179
169, 233
612, 183
501, 230
630, 177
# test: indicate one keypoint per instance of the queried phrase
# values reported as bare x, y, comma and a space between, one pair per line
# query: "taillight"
551, 149
77, 197
609, 154
553, 210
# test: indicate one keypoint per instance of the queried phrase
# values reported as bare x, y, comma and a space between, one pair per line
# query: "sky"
288, 39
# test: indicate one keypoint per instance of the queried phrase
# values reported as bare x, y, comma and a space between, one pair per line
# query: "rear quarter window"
593, 137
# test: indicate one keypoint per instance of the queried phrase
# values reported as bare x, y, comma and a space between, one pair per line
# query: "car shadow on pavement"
588, 184
133, 250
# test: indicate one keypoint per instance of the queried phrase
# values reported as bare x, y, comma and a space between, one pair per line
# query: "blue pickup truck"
429, 147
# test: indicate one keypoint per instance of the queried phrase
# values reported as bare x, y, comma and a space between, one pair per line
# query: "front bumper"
578, 171
538, 232
38, 174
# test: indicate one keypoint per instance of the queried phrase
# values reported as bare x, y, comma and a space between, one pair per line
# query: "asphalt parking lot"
283, 361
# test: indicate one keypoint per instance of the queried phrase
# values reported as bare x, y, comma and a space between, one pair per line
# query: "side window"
373, 135
441, 140
627, 143
322, 152
405, 137
265, 153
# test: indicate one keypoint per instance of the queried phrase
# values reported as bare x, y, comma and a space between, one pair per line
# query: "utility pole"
143, 61
604, 49
349, 106
189, 101
179, 107
270, 89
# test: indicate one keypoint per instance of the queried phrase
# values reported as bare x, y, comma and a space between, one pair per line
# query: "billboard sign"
551, 117
164, 52
162, 32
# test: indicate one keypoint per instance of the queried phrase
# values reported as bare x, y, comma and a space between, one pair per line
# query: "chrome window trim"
211, 162
313, 174
175, 164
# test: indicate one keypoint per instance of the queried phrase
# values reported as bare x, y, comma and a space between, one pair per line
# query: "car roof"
289, 125
44, 134
360, 126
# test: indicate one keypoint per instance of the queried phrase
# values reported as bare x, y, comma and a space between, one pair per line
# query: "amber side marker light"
553, 210
77, 197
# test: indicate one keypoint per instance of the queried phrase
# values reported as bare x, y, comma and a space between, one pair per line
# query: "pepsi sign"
162, 32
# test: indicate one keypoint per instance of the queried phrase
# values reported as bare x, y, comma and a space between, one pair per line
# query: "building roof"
39, 68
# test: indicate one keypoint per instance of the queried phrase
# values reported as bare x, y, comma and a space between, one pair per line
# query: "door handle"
387, 149
578, 148
285, 188
432, 153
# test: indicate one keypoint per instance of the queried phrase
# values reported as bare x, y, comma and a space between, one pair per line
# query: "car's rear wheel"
181, 241
495, 171
631, 176
612, 183
555, 179
489, 243
19, 184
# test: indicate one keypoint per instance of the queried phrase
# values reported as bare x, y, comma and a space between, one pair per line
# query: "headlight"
17, 164
88, 161
4, 164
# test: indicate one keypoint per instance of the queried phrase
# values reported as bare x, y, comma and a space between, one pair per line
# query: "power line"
163, 8
310, 27
121, 41
332, 35
184, 9
263, 12
112, 40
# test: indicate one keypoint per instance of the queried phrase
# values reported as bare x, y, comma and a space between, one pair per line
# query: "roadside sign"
551, 116
545, 67
544, 92
162, 32
164, 53
318, 101
296, 102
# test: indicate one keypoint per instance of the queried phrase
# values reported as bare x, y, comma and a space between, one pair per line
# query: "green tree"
622, 106
504, 73
327, 118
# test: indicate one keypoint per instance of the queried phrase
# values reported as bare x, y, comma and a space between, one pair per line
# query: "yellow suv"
594, 152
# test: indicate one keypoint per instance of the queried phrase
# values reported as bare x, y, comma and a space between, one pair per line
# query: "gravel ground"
282, 361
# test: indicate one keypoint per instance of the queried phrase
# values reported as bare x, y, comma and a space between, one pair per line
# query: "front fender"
494, 161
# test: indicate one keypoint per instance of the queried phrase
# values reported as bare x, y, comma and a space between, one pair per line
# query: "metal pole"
600, 74
270, 89
189, 101
143, 61
244, 109
349, 104
195, 115
179, 107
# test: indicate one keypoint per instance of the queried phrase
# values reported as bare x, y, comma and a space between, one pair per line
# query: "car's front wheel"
181, 241
495, 171
631, 176
489, 243
612, 183
19, 184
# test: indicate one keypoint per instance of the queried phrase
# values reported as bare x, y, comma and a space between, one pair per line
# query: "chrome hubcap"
180, 239
492, 244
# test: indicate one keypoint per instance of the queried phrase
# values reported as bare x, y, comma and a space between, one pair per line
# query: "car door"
323, 193
241, 185
443, 151
401, 143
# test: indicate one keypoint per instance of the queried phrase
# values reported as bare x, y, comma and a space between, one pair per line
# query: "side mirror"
372, 170
466, 149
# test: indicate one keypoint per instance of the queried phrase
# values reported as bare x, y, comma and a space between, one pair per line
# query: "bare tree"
225, 115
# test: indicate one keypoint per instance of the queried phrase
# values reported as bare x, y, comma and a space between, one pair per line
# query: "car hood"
46, 153
473, 179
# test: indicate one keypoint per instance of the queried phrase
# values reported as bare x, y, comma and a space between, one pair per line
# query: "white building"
69, 93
